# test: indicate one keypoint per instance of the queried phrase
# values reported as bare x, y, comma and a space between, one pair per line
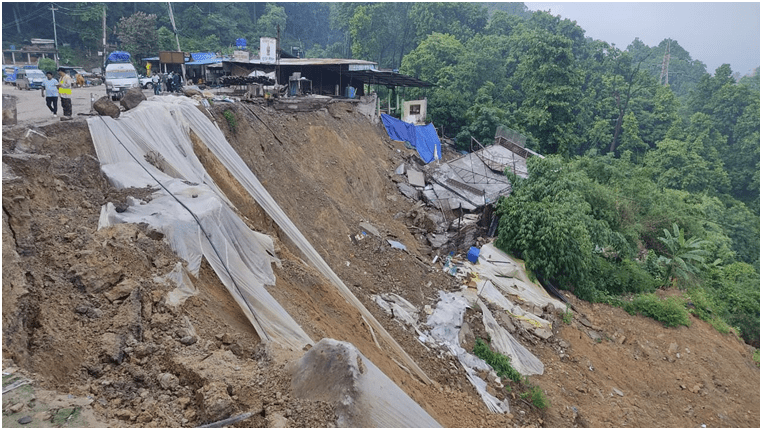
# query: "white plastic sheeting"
445, 323
363, 396
153, 146
215, 141
521, 359
185, 288
488, 292
493, 262
397, 307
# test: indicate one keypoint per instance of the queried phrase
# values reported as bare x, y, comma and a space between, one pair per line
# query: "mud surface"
85, 311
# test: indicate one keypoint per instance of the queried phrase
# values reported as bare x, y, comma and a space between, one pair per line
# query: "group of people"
58, 88
61, 87
171, 82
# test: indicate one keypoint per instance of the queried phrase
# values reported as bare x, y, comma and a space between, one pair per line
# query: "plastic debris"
445, 323
396, 245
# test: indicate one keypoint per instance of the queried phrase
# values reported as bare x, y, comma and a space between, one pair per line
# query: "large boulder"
104, 106
190, 92
132, 98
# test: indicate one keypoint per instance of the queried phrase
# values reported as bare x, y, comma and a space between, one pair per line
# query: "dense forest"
648, 182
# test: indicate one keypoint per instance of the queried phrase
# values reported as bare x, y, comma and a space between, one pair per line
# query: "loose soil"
84, 310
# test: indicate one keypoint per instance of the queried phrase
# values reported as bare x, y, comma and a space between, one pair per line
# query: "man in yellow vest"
64, 90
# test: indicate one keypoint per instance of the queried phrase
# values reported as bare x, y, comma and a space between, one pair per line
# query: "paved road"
31, 109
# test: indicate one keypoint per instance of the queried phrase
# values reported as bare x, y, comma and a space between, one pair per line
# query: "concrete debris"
408, 191
32, 142
370, 228
416, 178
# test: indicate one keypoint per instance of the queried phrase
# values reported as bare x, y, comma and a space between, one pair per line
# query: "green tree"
273, 17
462, 20
138, 34
630, 140
550, 82
47, 65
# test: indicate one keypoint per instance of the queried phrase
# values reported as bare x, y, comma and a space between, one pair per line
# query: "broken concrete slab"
370, 228
409, 191
416, 178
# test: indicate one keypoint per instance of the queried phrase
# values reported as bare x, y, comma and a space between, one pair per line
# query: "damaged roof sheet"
477, 178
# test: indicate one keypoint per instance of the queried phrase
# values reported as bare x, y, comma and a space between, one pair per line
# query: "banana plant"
684, 257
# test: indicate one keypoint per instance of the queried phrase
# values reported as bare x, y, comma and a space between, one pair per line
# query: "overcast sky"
715, 33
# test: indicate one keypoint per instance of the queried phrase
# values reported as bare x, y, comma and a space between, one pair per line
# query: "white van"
119, 78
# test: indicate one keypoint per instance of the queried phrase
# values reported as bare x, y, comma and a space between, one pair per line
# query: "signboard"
267, 47
241, 56
173, 57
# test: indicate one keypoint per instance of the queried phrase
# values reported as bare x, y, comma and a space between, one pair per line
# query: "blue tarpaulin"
423, 137
119, 57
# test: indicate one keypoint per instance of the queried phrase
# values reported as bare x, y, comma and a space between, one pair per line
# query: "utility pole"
665, 66
277, 56
177, 39
104, 39
55, 33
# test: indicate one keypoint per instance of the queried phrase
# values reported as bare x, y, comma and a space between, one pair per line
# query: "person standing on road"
176, 84
51, 93
169, 82
64, 90
155, 81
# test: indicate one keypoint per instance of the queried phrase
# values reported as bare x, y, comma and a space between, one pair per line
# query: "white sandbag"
363, 396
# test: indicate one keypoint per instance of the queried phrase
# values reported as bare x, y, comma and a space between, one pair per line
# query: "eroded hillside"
85, 311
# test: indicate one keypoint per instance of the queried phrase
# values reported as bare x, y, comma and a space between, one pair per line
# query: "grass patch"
537, 397
230, 117
755, 356
670, 311
65, 415
499, 362
503, 368
567, 315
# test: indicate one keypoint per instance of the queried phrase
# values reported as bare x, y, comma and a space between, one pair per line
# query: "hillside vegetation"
648, 184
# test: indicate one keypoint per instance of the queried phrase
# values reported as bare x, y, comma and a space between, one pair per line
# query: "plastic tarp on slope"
445, 323
337, 373
424, 138
215, 141
190, 212
512, 279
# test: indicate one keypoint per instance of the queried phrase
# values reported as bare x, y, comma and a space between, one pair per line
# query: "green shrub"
499, 362
622, 277
755, 356
537, 397
671, 312
567, 316
230, 117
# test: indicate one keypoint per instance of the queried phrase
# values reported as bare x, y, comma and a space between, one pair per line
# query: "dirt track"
329, 170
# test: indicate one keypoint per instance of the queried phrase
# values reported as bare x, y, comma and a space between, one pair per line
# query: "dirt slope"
84, 312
